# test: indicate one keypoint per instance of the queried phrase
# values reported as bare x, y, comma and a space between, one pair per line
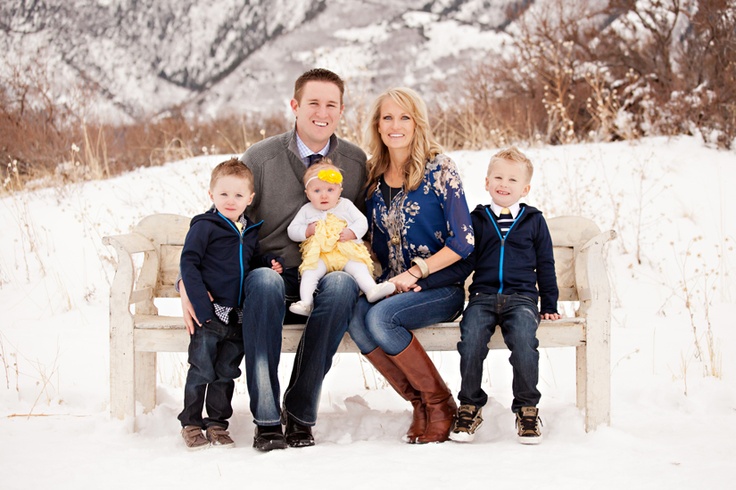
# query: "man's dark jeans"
267, 293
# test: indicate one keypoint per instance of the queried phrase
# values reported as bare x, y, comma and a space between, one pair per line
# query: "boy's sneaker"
219, 436
193, 438
301, 308
468, 421
528, 425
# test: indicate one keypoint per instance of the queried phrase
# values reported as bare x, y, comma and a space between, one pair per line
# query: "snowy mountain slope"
135, 58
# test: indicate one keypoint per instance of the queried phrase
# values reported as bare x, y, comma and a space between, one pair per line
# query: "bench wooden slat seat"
148, 265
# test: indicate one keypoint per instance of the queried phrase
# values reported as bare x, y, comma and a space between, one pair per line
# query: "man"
278, 165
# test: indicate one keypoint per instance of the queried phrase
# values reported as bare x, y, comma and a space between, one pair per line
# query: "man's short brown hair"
317, 75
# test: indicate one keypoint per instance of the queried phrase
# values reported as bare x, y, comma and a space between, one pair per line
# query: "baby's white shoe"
380, 291
301, 308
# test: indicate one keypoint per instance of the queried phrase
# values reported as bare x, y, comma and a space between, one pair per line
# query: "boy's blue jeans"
266, 293
215, 352
518, 317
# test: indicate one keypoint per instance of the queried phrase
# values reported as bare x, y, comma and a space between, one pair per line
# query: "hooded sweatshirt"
513, 264
216, 258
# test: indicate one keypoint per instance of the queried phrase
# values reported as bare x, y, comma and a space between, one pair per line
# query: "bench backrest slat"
167, 233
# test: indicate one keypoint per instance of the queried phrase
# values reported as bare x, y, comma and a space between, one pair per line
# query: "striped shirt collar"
514, 208
304, 150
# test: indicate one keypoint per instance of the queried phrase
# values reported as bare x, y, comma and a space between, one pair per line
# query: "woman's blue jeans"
518, 317
215, 352
387, 323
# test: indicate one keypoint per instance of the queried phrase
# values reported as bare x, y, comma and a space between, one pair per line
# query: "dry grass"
100, 151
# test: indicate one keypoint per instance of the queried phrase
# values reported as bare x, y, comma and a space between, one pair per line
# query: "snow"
673, 421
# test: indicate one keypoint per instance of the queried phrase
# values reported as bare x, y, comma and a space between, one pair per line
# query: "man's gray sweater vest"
278, 172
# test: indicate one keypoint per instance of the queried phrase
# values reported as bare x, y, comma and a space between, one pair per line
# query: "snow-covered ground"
673, 346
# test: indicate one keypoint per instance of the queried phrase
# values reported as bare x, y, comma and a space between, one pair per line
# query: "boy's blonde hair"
513, 154
232, 167
324, 164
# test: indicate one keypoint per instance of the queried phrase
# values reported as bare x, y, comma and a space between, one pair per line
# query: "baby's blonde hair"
513, 154
324, 164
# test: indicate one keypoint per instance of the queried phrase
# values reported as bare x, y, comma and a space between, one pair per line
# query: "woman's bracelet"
423, 267
412, 275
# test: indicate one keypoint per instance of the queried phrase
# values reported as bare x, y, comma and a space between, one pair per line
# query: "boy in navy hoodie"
513, 253
219, 250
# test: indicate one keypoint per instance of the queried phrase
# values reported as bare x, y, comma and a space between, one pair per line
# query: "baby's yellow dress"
325, 244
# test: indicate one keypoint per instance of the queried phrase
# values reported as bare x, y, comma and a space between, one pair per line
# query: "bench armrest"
591, 276
128, 287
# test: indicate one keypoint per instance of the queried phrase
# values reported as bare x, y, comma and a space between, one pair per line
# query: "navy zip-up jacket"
216, 257
512, 265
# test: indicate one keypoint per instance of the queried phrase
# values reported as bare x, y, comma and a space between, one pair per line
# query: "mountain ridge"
138, 58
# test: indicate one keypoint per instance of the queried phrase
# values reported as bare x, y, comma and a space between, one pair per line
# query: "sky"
673, 346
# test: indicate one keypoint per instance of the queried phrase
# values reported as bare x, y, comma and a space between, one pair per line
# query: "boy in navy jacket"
513, 253
219, 250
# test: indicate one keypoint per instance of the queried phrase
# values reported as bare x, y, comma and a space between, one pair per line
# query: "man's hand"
187, 309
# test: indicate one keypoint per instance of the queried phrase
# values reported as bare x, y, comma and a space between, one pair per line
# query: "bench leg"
122, 372
598, 384
145, 379
581, 381
593, 379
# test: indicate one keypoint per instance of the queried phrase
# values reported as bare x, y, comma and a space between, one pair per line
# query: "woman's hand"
407, 280
404, 282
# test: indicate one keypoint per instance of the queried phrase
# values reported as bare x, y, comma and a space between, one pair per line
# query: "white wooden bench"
148, 265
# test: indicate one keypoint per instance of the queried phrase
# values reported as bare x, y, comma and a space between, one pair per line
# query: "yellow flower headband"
328, 175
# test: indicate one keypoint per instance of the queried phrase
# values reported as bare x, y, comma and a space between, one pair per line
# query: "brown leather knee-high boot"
423, 376
396, 378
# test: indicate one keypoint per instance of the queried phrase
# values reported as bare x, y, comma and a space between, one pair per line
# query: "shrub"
620, 70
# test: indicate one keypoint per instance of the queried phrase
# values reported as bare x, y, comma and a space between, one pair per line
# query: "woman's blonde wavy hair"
423, 145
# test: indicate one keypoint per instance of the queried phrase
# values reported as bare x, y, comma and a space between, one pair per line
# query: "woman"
419, 223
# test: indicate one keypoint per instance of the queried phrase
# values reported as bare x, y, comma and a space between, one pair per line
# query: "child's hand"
311, 228
347, 234
551, 316
190, 317
275, 265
